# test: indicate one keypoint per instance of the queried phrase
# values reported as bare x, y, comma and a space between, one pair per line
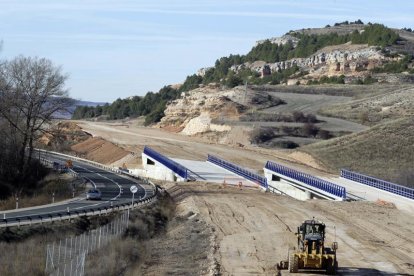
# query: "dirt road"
253, 230
134, 138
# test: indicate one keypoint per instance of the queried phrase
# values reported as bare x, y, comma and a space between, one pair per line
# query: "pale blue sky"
120, 48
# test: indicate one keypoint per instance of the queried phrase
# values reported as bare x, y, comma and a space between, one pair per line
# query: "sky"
119, 48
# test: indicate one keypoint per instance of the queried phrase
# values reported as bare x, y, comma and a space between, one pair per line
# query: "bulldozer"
311, 253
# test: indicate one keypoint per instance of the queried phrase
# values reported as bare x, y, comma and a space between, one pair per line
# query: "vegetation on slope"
385, 151
152, 105
378, 103
373, 35
26, 251
396, 67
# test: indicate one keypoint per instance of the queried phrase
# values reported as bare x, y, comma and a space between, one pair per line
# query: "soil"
134, 138
227, 231
64, 132
99, 150
251, 231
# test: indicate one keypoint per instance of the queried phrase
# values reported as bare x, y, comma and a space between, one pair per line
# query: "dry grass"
373, 108
385, 151
26, 245
115, 258
27, 258
124, 257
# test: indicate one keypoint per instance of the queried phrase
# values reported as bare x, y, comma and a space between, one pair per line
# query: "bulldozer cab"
311, 231
312, 227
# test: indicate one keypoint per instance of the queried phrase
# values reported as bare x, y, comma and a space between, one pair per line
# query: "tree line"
32, 91
152, 106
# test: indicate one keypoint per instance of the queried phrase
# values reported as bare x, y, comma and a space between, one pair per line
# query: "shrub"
395, 67
284, 144
233, 81
324, 134
261, 135
310, 130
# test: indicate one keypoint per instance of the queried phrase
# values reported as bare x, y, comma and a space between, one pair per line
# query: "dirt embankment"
99, 150
62, 135
251, 231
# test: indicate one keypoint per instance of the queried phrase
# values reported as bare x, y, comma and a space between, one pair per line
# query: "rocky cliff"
197, 110
344, 59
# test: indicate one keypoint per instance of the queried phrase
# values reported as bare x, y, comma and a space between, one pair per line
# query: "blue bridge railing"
378, 183
307, 179
238, 170
171, 164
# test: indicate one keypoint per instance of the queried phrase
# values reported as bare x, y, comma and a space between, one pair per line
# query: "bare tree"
32, 91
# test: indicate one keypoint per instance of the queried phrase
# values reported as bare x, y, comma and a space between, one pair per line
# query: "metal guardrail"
378, 183
171, 164
262, 181
93, 211
308, 179
93, 163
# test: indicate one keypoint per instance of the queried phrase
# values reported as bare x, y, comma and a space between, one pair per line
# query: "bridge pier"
156, 170
284, 186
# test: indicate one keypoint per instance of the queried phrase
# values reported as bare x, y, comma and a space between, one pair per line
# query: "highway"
115, 189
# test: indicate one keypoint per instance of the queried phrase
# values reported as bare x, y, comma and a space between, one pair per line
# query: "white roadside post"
133, 190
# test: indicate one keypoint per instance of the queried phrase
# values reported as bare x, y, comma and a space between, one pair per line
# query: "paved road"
114, 188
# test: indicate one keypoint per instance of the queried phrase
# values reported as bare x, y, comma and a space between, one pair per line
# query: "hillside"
377, 107
308, 55
343, 94
385, 151
347, 53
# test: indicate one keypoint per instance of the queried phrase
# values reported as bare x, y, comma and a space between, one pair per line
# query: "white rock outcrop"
280, 40
341, 58
202, 124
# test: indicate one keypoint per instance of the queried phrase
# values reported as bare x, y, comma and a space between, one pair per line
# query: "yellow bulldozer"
311, 253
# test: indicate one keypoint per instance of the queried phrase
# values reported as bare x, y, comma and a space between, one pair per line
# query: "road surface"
115, 191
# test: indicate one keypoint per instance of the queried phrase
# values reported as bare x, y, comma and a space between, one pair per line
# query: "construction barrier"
378, 183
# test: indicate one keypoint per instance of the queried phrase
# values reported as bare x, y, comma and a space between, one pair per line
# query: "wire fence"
68, 256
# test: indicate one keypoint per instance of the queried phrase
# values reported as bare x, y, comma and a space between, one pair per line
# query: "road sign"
134, 189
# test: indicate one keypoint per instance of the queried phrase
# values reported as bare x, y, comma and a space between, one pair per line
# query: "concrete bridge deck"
213, 173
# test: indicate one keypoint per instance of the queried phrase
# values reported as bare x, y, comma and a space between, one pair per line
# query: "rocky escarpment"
196, 110
331, 60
